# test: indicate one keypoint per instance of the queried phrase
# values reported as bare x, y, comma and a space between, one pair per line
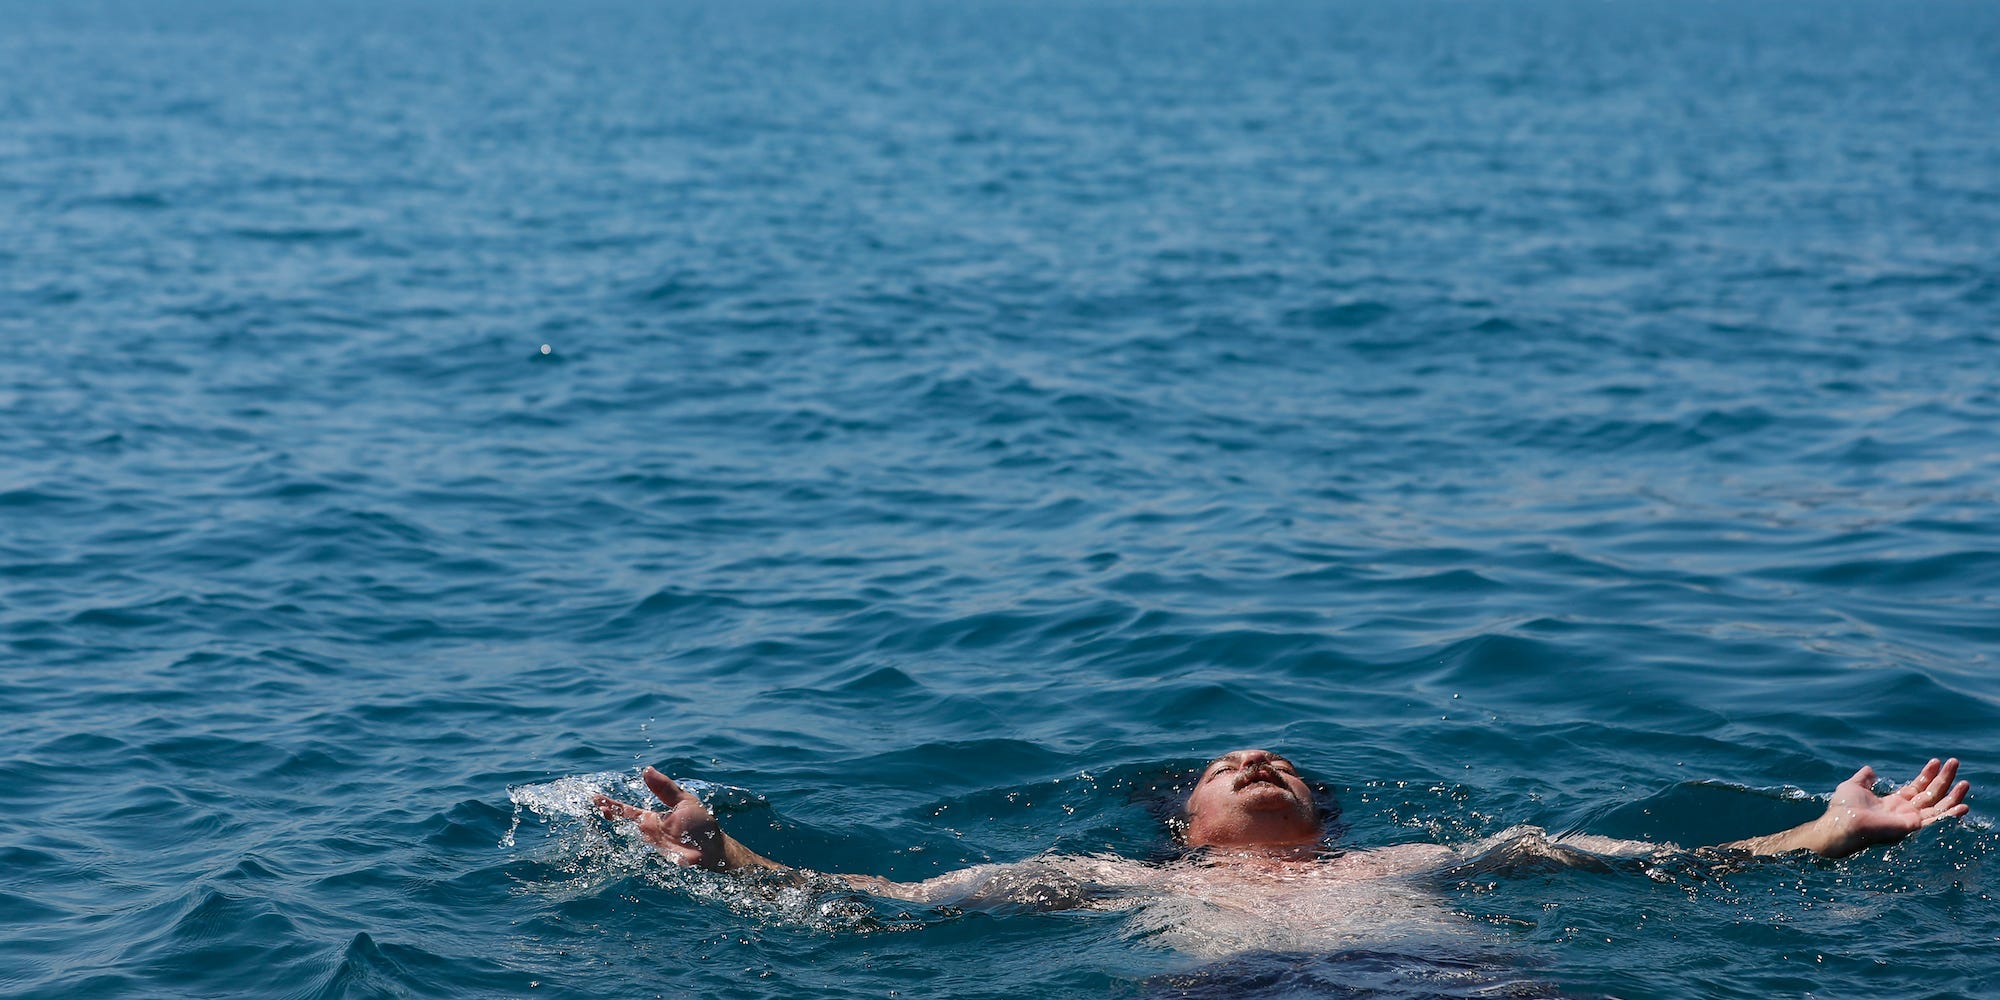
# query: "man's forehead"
1236, 755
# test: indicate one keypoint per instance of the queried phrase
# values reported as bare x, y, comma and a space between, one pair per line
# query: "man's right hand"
684, 831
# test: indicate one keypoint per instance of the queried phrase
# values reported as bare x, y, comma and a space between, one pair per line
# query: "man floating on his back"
1251, 809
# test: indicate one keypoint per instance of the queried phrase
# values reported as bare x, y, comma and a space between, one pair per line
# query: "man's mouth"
1253, 775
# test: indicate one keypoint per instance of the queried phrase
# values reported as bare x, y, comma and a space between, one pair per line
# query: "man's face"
1251, 798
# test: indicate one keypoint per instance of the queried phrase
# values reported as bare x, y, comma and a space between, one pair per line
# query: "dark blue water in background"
955, 417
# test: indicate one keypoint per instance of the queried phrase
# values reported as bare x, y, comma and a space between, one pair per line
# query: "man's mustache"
1259, 772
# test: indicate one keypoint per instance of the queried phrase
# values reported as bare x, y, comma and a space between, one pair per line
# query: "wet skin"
1251, 798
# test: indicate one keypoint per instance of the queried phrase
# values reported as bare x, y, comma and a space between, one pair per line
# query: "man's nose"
1256, 757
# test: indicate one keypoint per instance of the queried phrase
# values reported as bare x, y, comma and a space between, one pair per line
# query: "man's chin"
1263, 797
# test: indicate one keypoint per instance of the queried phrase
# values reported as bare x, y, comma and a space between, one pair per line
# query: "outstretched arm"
687, 832
1857, 818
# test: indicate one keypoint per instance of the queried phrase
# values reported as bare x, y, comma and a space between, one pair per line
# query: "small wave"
368, 969
1965, 571
31, 499
670, 607
134, 201
1341, 316
297, 234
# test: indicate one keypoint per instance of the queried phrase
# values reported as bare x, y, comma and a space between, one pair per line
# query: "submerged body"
1222, 905
1219, 903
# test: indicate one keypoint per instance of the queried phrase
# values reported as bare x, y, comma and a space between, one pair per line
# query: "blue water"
955, 420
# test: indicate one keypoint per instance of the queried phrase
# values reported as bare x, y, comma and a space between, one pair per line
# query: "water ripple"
953, 426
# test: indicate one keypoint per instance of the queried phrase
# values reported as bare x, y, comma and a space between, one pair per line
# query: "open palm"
1856, 817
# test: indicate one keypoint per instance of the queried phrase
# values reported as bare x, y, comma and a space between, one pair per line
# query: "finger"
1940, 776
614, 809
1947, 773
1953, 804
1923, 780
1956, 798
664, 788
1865, 777
1957, 810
